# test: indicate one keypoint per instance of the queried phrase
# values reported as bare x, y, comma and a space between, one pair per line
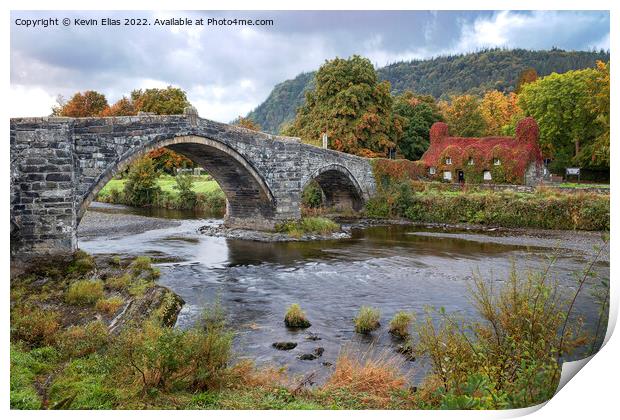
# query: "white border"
592, 394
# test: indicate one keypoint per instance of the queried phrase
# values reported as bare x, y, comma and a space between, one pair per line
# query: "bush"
367, 320
187, 197
141, 188
84, 292
295, 317
34, 325
81, 264
400, 324
312, 195
109, 306
80, 340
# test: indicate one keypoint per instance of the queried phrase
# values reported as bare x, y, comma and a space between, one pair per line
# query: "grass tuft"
367, 320
84, 292
400, 324
295, 317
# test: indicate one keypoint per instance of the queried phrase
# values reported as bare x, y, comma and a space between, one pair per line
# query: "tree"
141, 188
419, 113
528, 75
464, 116
598, 152
123, 106
560, 105
498, 111
352, 107
247, 122
168, 101
87, 104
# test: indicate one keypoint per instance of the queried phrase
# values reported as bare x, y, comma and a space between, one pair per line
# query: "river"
392, 268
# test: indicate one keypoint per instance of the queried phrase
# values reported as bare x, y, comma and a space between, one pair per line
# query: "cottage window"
447, 175
486, 175
470, 161
448, 161
496, 162
432, 170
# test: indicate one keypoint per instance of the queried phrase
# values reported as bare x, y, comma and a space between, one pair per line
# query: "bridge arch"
248, 197
342, 191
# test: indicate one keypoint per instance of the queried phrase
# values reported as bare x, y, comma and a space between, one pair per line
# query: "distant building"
497, 160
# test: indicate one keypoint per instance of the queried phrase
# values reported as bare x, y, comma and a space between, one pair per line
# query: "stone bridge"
58, 165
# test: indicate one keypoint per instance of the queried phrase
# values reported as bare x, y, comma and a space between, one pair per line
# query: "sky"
229, 70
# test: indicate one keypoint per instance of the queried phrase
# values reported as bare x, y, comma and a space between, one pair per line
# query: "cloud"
228, 70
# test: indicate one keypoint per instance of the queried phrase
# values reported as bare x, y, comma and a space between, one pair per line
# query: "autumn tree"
123, 106
528, 75
418, 113
352, 107
87, 104
561, 104
498, 111
247, 122
463, 115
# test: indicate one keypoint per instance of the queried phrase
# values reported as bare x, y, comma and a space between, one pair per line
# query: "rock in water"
284, 345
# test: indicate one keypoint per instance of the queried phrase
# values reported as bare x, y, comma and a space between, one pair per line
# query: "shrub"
371, 380
367, 320
84, 292
187, 197
141, 188
81, 264
119, 283
34, 325
400, 324
295, 317
109, 306
79, 340
312, 195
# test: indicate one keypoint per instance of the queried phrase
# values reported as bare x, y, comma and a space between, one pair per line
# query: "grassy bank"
544, 209
201, 193
67, 353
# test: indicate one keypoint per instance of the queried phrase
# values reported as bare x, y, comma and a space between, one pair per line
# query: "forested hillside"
442, 76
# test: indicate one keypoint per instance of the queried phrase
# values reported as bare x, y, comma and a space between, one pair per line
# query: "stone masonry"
58, 165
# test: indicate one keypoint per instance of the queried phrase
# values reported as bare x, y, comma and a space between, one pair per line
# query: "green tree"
168, 101
560, 103
598, 151
418, 113
352, 107
141, 188
463, 114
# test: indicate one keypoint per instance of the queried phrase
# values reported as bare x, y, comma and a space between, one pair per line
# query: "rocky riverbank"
221, 231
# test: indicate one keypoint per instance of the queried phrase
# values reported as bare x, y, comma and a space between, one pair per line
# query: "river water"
392, 268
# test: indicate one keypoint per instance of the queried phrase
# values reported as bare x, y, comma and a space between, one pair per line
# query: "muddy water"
392, 268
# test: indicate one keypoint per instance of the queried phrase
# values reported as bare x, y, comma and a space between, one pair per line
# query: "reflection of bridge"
58, 165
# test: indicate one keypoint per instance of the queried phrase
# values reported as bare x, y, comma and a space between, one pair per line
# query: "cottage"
498, 160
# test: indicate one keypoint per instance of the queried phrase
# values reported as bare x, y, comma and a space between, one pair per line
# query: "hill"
441, 76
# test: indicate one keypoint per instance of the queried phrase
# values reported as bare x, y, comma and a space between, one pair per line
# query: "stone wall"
58, 165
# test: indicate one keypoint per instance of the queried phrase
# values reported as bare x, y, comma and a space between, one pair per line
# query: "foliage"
498, 111
168, 101
568, 126
84, 292
419, 114
247, 122
388, 171
141, 188
545, 209
184, 186
165, 160
308, 226
463, 114
110, 305
122, 107
80, 340
528, 75
599, 150
442, 76
312, 195
87, 104
367, 320
352, 107
400, 324
295, 317
33, 325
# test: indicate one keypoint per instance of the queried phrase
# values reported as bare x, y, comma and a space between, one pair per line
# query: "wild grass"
401, 324
33, 325
295, 317
367, 320
308, 226
84, 292
110, 305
